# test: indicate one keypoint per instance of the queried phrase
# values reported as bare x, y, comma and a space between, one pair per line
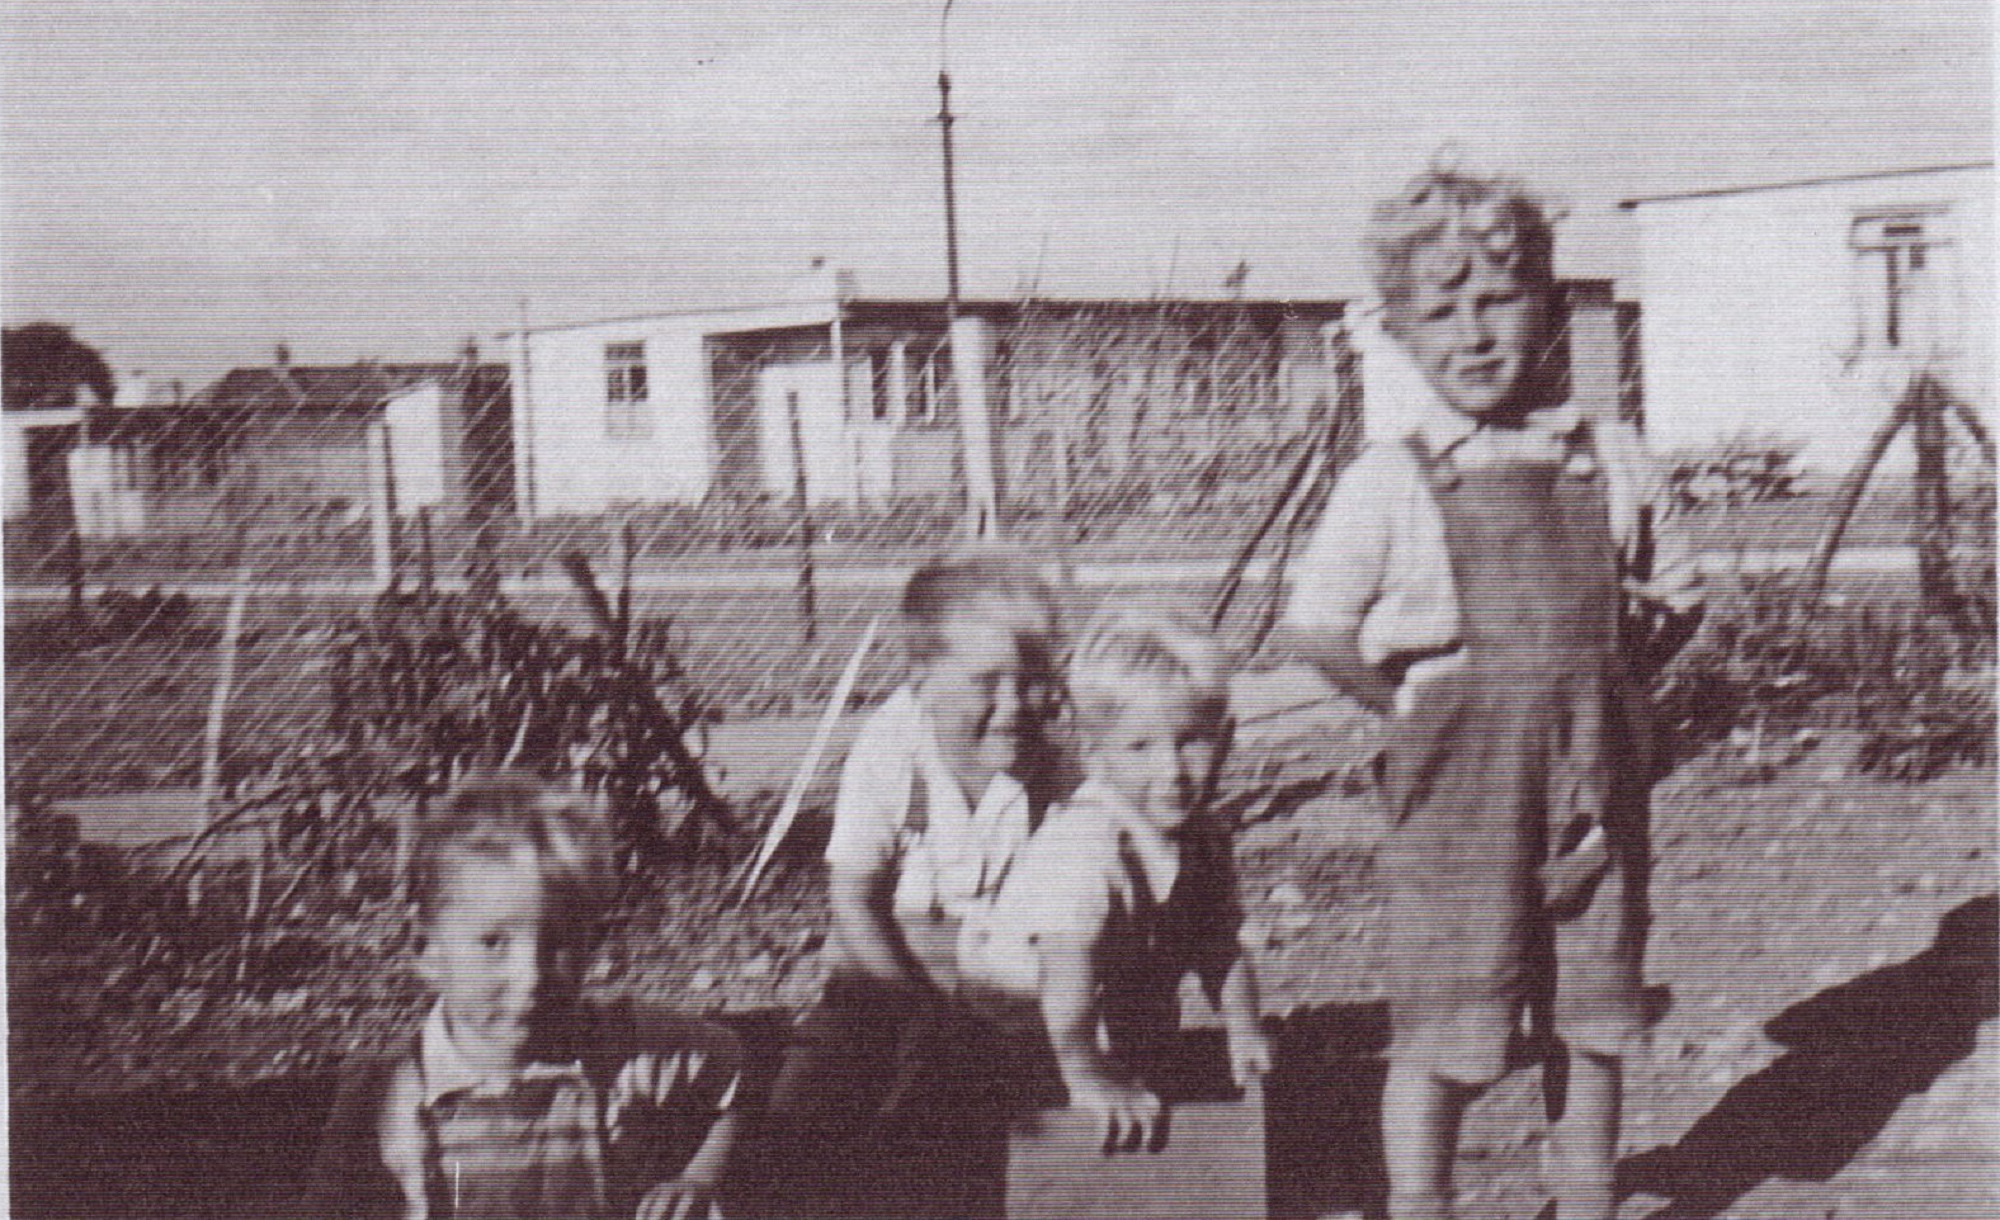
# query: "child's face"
493, 958
1472, 326
988, 693
1160, 754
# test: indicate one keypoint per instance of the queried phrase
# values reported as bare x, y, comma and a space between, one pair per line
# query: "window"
935, 388
878, 385
1895, 264
625, 413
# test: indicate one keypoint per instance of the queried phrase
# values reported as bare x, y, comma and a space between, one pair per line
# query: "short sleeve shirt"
952, 858
1097, 870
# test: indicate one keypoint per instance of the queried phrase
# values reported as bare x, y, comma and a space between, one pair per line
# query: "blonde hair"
491, 815
1496, 220
1119, 653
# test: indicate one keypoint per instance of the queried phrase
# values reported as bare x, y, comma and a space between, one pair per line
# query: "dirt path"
1829, 945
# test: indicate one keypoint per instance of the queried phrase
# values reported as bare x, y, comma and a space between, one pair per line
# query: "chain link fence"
177, 571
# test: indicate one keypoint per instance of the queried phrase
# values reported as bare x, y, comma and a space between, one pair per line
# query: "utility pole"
968, 345
945, 119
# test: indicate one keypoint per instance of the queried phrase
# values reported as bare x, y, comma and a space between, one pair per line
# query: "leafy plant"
1773, 660
1742, 472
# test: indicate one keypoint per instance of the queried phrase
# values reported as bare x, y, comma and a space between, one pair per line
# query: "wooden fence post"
808, 602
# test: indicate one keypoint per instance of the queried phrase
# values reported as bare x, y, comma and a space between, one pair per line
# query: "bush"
116, 617
1916, 687
1742, 472
424, 687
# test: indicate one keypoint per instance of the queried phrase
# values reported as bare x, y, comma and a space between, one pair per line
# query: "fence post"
1934, 583
382, 505
218, 701
73, 562
808, 608
426, 573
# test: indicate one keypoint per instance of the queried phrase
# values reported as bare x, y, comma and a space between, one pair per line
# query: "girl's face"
1160, 754
989, 692
1474, 327
492, 957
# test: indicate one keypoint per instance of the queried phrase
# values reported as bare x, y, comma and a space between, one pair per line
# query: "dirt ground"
1827, 943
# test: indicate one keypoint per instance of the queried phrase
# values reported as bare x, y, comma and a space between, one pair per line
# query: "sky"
187, 182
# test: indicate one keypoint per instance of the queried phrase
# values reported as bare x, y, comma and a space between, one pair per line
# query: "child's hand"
1249, 1052
1129, 1114
684, 1198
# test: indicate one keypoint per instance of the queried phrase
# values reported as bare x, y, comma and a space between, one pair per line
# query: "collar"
1145, 850
1445, 430
444, 1068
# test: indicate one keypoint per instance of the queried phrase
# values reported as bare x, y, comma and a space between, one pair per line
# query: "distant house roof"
317, 388
1629, 204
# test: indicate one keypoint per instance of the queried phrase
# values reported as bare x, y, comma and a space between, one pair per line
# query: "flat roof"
1629, 204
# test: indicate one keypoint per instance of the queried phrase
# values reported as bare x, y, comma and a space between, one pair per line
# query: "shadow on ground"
1855, 1052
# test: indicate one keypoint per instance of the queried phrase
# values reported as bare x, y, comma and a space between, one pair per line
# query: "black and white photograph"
999, 610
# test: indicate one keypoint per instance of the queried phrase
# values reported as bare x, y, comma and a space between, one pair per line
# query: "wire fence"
178, 572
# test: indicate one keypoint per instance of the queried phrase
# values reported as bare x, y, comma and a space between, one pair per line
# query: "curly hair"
1495, 219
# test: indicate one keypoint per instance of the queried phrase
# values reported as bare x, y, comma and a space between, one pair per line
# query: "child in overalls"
942, 785
516, 1100
1130, 885
1490, 574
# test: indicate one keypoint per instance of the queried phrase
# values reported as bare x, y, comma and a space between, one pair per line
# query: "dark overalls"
1506, 762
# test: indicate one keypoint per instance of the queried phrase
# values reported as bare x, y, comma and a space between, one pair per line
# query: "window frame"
628, 413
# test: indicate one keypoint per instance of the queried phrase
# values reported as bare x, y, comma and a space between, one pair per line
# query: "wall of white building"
416, 446
572, 456
1755, 305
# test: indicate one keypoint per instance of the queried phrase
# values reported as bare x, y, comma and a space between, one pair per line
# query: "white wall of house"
416, 446
104, 492
578, 451
1760, 318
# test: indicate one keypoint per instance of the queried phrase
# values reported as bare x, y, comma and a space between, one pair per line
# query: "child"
1129, 886
941, 787
1488, 572
516, 1099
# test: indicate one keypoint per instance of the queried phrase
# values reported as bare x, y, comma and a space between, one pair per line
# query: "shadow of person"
1856, 1051
1322, 1113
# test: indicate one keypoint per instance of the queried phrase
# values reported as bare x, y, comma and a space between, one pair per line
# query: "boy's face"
1160, 754
1471, 325
989, 692
492, 957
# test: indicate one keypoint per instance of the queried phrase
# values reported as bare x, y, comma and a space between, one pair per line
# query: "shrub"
1741, 472
1770, 659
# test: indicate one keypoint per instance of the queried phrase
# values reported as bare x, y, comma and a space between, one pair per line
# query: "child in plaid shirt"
516, 1100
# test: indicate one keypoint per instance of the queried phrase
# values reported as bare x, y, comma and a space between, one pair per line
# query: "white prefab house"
856, 399
618, 412
1797, 312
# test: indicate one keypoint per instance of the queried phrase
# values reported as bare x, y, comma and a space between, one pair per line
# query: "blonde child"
1488, 573
515, 1098
1129, 886
943, 784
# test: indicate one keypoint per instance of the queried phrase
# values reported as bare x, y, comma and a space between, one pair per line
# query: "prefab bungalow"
855, 397
1798, 311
